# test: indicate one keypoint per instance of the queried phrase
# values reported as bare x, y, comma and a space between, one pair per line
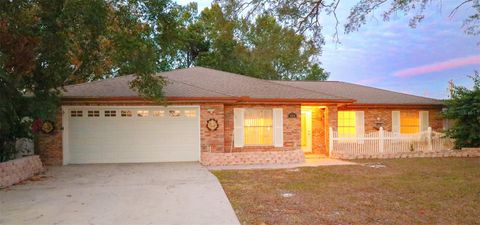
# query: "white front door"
132, 134
306, 134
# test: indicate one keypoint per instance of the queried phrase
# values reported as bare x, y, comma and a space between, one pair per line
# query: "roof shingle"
199, 82
363, 94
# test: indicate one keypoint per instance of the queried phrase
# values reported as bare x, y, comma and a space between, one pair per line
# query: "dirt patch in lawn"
404, 191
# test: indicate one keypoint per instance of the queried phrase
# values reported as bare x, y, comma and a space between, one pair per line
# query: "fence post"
330, 141
381, 144
429, 134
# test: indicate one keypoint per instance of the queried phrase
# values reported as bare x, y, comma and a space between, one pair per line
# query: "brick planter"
246, 158
17, 170
446, 153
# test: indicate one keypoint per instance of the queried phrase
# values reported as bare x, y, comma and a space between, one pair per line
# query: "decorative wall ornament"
47, 127
211, 110
378, 123
174, 113
292, 115
212, 124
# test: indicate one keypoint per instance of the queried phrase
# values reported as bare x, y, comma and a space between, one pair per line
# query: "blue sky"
393, 56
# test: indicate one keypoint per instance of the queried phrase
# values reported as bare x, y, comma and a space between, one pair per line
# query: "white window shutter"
396, 122
278, 127
238, 130
423, 120
360, 123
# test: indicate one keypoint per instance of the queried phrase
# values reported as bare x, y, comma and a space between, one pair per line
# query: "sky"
391, 55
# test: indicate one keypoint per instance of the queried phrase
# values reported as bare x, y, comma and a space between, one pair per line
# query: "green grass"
407, 191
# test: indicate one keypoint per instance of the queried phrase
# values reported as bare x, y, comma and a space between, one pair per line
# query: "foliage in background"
261, 48
464, 108
304, 16
46, 44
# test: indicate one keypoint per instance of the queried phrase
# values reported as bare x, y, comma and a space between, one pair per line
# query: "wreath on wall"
47, 127
212, 124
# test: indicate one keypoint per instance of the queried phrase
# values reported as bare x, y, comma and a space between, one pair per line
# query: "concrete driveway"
157, 193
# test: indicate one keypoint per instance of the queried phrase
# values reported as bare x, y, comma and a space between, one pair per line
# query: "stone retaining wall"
245, 158
17, 170
446, 153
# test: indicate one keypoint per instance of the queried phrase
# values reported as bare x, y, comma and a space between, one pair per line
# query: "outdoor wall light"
211, 110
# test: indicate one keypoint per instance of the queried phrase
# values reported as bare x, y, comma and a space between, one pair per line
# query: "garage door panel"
134, 139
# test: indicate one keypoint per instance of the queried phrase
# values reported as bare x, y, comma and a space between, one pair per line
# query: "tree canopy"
464, 109
261, 48
304, 15
47, 44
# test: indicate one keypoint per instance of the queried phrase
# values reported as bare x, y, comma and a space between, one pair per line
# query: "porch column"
332, 117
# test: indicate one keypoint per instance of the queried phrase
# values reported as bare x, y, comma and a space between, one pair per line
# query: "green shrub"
464, 108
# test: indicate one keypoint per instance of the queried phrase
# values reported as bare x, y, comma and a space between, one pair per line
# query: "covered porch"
315, 123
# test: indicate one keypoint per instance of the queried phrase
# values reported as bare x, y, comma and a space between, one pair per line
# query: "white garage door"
135, 134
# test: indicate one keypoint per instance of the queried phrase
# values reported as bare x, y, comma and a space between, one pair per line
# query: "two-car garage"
130, 134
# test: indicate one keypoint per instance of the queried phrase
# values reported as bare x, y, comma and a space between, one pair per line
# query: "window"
409, 122
126, 113
76, 113
142, 113
160, 113
258, 126
110, 113
93, 113
174, 113
346, 124
190, 113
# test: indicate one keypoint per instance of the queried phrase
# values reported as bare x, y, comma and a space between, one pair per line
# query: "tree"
262, 48
464, 108
317, 73
304, 15
46, 44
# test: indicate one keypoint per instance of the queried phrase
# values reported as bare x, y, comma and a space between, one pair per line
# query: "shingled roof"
363, 94
199, 82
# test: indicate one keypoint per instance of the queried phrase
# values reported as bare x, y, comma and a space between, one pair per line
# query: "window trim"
126, 113
93, 113
142, 113
76, 113
110, 113
354, 124
417, 116
272, 128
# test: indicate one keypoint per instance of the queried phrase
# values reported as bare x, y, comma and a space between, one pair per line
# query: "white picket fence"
384, 142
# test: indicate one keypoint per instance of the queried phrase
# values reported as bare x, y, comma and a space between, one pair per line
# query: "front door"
306, 130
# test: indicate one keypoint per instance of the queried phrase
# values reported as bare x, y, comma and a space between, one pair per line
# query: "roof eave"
390, 105
138, 99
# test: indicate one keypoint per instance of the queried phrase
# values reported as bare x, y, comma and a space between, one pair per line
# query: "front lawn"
406, 191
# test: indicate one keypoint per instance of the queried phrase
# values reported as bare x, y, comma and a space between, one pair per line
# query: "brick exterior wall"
50, 145
385, 115
17, 170
291, 129
243, 158
221, 140
445, 153
319, 146
212, 141
332, 121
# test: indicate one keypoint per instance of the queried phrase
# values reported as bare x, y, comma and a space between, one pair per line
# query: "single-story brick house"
220, 118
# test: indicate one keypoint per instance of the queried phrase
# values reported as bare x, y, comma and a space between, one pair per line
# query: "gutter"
136, 99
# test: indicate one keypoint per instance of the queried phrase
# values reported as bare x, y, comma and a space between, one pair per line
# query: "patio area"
310, 161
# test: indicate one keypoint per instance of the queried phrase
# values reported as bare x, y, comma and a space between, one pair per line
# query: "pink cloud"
440, 66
